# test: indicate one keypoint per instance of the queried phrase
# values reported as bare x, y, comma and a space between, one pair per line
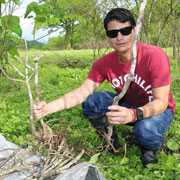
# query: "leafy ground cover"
57, 78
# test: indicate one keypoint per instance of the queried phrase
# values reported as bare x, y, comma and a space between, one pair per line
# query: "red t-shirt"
152, 71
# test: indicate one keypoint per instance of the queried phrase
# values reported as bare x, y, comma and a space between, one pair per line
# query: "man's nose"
119, 36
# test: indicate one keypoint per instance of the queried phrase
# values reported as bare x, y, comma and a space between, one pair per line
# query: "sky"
28, 24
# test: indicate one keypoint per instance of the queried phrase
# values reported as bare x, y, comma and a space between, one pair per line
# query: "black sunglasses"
124, 31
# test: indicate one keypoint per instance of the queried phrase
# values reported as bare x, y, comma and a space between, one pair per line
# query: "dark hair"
121, 15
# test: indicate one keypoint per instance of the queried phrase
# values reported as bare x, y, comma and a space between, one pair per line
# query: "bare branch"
10, 78
55, 171
17, 70
30, 76
31, 118
36, 78
164, 23
29, 67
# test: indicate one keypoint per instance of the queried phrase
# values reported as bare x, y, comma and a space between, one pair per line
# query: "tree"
55, 43
158, 23
175, 32
10, 32
64, 14
81, 21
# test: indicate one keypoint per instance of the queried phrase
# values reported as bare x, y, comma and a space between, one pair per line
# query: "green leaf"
38, 9
2, 1
94, 158
32, 7
16, 1
13, 52
12, 23
173, 145
53, 20
138, 177
124, 160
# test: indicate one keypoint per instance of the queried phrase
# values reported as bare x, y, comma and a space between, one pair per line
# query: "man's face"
121, 43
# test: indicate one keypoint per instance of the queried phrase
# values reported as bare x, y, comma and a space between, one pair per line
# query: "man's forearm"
70, 99
160, 102
153, 108
76, 97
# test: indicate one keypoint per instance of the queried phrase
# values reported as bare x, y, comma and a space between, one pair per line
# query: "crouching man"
148, 104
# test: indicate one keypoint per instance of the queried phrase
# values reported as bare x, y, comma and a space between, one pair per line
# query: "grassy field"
62, 71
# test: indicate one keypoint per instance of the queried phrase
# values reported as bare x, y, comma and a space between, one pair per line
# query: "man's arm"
73, 98
123, 115
160, 102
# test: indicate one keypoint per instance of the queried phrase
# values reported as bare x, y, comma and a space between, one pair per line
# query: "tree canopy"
80, 23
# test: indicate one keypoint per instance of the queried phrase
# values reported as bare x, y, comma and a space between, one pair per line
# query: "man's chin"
122, 50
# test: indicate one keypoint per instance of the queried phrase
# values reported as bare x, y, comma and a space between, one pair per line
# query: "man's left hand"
120, 115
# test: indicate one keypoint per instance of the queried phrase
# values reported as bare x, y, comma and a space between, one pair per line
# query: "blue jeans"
149, 133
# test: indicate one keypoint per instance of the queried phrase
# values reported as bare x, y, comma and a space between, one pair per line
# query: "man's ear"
133, 30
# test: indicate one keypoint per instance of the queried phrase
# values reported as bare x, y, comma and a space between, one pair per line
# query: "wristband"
139, 114
134, 116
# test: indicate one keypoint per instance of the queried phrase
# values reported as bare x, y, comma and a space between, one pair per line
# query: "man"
148, 104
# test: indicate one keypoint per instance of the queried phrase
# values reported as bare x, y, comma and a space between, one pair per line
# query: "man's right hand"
40, 109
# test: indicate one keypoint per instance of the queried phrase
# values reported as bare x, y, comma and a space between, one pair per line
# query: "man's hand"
40, 109
120, 115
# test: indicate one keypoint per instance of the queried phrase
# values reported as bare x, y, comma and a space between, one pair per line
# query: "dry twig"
59, 157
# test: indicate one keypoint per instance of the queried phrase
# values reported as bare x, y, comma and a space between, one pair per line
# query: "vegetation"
79, 25
10, 32
56, 80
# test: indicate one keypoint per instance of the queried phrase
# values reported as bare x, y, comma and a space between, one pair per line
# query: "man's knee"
147, 135
96, 104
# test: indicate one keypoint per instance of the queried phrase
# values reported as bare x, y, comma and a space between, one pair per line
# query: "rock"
6, 148
82, 171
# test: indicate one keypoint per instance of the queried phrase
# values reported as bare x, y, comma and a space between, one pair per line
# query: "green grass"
54, 82
67, 58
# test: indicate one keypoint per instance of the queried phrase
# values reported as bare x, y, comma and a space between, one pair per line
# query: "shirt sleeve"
159, 69
97, 72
